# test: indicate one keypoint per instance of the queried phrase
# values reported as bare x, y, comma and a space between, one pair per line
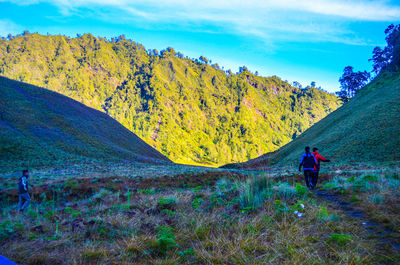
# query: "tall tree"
351, 82
389, 56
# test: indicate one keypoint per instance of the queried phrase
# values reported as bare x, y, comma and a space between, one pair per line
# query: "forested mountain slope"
40, 127
190, 111
364, 130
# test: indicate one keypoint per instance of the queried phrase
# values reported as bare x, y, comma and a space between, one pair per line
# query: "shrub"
284, 191
6, 229
165, 241
340, 239
255, 192
301, 190
280, 207
323, 213
186, 253
166, 203
370, 178
197, 203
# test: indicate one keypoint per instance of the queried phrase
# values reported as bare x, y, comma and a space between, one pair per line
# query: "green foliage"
186, 253
165, 241
6, 229
167, 203
189, 111
340, 239
323, 213
280, 207
301, 190
197, 202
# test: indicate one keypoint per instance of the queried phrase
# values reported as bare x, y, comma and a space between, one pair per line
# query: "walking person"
23, 191
308, 162
319, 159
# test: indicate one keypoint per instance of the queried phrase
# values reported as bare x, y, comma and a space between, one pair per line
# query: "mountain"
364, 130
191, 111
41, 127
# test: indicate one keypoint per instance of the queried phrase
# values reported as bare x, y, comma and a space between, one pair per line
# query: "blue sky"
296, 40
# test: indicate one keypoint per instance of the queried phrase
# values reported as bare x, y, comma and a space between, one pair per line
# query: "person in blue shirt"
308, 162
23, 191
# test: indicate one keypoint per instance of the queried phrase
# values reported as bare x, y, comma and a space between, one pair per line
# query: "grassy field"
121, 214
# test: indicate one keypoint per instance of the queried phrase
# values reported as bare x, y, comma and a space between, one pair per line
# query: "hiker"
23, 191
308, 162
319, 159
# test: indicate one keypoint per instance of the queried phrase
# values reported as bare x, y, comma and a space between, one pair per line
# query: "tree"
381, 59
351, 82
313, 84
203, 59
389, 56
171, 51
297, 84
243, 69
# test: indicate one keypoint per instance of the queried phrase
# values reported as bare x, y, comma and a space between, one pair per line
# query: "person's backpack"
308, 161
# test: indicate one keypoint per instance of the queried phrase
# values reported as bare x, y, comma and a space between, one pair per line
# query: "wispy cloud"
7, 26
269, 20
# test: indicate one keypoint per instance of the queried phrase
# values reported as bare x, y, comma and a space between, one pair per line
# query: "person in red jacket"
319, 159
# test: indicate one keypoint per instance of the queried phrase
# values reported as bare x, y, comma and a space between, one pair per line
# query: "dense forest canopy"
190, 110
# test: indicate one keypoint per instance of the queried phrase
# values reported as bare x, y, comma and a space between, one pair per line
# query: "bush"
197, 203
323, 213
186, 253
301, 190
8, 228
340, 239
165, 241
166, 203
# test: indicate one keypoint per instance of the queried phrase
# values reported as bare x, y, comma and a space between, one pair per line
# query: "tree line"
383, 59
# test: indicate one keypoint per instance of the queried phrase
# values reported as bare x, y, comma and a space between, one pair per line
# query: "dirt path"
377, 230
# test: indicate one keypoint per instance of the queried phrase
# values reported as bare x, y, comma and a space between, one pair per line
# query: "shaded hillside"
188, 110
39, 127
366, 129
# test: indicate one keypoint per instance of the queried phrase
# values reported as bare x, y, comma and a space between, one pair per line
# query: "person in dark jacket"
23, 191
319, 159
308, 162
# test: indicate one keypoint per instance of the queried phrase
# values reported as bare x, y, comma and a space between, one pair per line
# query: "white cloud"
7, 26
269, 20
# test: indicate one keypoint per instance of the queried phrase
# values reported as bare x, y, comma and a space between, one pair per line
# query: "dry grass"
207, 225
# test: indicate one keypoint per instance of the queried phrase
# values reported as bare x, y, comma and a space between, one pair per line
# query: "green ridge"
39, 127
190, 111
364, 130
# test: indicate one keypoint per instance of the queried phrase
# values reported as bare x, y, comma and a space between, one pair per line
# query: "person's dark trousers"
315, 178
308, 174
24, 200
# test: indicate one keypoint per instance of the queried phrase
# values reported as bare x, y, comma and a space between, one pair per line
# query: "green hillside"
40, 127
364, 130
190, 111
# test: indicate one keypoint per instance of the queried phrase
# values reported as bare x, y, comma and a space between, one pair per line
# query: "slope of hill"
364, 130
39, 127
190, 111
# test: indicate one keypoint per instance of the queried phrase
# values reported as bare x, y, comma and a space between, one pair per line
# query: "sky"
297, 40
